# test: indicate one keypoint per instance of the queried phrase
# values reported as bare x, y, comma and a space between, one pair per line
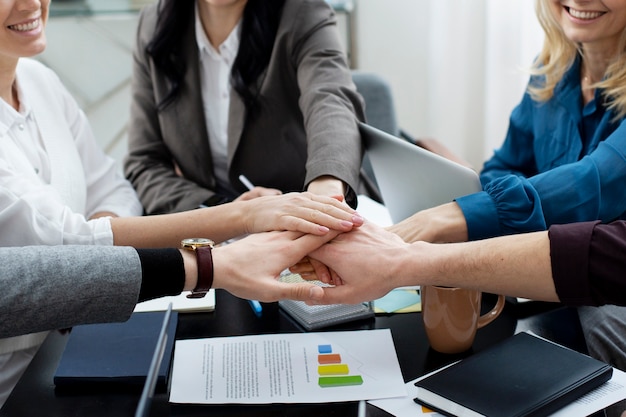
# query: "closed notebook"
117, 353
522, 376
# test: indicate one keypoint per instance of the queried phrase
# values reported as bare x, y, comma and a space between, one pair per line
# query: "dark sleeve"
589, 262
163, 273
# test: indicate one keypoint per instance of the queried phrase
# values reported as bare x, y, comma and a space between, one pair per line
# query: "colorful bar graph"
332, 372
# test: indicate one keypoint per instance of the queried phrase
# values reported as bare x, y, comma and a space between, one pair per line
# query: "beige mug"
452, 315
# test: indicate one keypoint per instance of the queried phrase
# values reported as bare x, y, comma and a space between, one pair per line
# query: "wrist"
407, 265
242, 213
327, 185
204, 264
223, 270
420, 264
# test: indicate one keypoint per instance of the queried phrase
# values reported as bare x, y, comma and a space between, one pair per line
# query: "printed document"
287, 368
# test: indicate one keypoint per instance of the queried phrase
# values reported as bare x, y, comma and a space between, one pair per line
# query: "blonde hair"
559, 53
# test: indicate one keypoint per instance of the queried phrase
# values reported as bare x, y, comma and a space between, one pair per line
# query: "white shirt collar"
227, 50
9, 116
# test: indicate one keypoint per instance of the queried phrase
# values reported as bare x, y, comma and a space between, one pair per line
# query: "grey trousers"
605, 334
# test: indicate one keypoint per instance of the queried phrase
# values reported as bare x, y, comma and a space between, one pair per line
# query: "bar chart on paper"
332, 372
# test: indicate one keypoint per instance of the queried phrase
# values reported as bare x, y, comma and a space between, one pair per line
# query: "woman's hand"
302, 212
442, 224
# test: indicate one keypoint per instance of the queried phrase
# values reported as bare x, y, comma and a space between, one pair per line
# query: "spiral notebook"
317, 317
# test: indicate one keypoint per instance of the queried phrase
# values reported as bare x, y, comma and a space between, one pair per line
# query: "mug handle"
487, 318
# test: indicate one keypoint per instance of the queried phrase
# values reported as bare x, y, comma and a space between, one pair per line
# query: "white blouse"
53, 175
215, 68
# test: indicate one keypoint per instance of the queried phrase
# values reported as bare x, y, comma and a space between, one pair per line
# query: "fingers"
302, 267
305, 244
319, 214
331, 295
321, 271
335, 279
317, 225
302, 212
302, 291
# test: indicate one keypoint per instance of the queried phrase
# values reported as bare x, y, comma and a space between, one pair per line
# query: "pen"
245, 181
256, 307
362, 405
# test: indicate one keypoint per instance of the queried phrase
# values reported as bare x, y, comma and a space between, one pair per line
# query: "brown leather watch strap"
204, 257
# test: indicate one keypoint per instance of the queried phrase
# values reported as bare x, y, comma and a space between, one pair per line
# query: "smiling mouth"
25, 27
583, 15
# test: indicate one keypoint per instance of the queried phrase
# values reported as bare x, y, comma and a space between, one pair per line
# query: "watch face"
196, 241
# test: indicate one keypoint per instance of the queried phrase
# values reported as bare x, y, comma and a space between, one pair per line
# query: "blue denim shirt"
561, 162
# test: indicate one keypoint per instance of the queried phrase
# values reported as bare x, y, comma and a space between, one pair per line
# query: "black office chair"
379, 107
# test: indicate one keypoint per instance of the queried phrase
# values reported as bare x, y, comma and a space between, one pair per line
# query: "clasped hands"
351, 260
360, 260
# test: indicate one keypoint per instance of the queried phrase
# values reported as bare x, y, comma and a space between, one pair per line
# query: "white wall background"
456, 67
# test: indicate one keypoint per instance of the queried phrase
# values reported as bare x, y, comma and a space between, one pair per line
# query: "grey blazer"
306, 124
53, 287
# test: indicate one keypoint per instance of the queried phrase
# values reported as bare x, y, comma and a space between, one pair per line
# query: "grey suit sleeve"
52, 287
329, 101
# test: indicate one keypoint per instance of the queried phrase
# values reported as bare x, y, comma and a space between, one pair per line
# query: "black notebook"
522, 376
118, 353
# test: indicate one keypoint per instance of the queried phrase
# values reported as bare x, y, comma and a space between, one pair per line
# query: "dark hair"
258, 31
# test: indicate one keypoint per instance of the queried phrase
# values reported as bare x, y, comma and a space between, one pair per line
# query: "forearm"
219, 224
444, 223
517, 265
303, 212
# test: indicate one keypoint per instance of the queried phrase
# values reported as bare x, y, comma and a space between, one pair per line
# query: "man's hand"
250, 268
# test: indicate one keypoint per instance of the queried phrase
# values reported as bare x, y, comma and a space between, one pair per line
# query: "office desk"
35, 394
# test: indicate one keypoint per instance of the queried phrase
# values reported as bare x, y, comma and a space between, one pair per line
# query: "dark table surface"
36, 395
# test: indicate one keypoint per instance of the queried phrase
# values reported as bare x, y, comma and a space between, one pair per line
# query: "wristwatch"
202, 247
